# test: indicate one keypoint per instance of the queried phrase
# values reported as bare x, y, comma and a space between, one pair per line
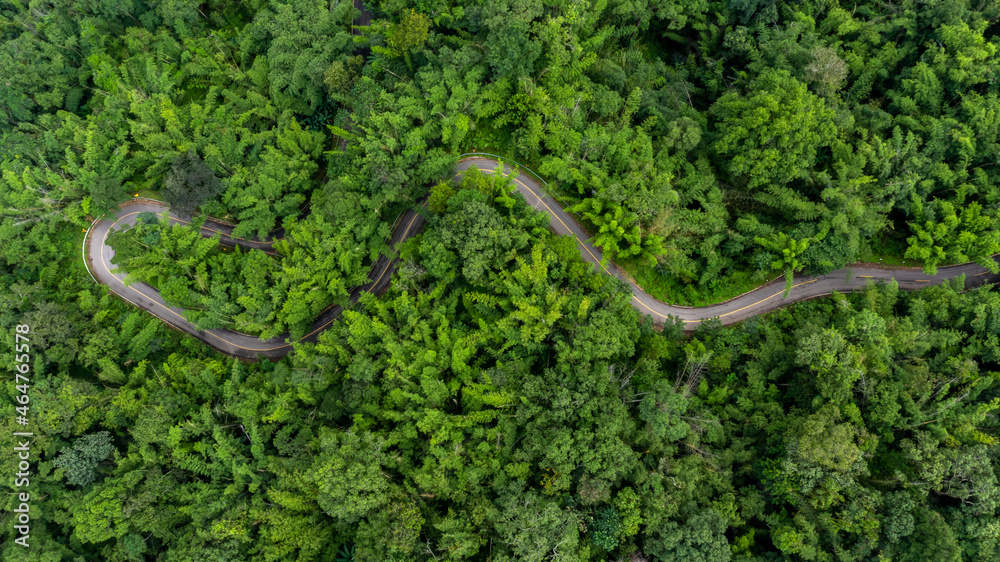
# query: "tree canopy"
500, 400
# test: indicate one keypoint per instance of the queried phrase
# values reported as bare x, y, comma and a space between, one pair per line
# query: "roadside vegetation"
501, 401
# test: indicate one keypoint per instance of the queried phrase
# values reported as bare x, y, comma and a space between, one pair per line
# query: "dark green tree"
81, 461
190, 182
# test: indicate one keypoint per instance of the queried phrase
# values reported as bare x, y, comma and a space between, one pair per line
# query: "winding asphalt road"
763, 299
233, 343
410, 223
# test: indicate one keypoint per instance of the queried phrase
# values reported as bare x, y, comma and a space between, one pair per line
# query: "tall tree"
189, 183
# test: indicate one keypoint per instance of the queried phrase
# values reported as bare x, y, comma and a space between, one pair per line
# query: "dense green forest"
502, 401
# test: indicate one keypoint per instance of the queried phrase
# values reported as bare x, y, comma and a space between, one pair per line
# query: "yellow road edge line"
634, 297
386, 268
554, 215
104, 263
727, 313
271, 243
220, 338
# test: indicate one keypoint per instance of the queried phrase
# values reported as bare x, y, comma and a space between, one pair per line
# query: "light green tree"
955, 237
348, 476
788, 250
771, 135
618, 232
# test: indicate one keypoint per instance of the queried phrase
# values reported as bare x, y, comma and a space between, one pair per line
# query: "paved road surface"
755, 302
242, 345
226, 341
